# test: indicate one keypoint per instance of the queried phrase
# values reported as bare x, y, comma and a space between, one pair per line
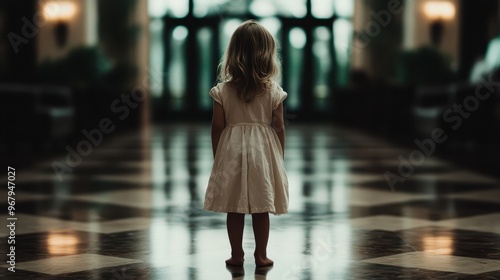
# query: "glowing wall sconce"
438, 12
60, 12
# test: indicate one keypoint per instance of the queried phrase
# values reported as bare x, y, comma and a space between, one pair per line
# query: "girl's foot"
263, 262
235, 261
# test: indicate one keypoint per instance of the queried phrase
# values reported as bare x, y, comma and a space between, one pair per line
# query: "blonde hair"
250, 63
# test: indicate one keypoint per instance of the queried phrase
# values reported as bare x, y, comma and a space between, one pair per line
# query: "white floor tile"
488, 195
365, 197
439, 262
139, 198
26, 223
121, 225
73, 263
485, 223
388, 223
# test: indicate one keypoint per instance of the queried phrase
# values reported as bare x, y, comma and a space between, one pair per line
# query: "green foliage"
116, 31
109, 67
390, 34
424, 66
384, 46
82, 66
118, 36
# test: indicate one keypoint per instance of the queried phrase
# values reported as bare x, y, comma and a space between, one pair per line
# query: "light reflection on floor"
132, 210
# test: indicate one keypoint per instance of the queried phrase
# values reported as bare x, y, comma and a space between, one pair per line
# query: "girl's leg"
260, 223
235, 223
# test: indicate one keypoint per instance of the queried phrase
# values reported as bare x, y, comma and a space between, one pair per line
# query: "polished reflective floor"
132, 209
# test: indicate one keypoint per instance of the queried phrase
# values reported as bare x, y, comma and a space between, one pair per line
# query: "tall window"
188, 38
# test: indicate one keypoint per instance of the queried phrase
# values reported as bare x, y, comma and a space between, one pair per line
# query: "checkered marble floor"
132, 209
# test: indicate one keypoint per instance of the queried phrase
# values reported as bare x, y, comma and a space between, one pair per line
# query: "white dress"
248, 174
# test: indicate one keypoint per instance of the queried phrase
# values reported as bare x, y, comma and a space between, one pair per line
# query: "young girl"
248, 140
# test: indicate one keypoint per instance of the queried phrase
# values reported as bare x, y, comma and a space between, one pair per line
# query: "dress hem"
244, 210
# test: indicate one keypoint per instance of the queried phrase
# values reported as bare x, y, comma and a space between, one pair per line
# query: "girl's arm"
279, 125
218, 125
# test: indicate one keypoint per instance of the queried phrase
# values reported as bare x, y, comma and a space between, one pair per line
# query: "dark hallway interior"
392, 129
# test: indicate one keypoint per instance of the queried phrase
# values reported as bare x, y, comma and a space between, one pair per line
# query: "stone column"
141, 58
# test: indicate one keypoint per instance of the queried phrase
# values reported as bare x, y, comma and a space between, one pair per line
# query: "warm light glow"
59, 10
62, 243
435, 10
438, 244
